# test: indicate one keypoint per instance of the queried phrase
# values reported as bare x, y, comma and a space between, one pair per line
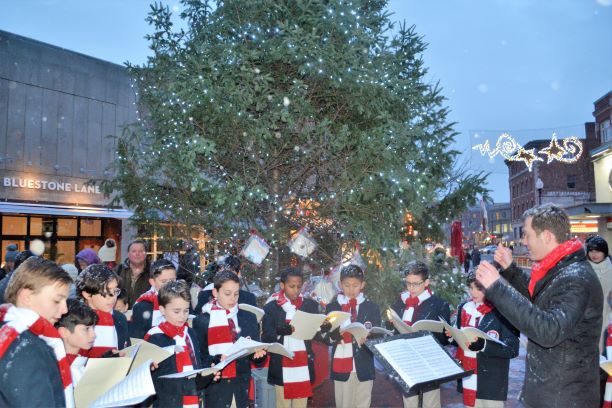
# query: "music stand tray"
417, 362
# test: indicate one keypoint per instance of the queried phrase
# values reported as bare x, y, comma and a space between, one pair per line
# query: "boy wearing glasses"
146, 313
98, 287
416, 303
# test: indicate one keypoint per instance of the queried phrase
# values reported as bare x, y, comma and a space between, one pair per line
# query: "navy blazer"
274, 317
362, 356
431, 309
219, 394
243, 297
142, 319
170, 391
30, 374
121, 326
494, 360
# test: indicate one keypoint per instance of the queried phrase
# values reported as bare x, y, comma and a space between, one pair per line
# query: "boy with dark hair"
292, 378
77, 330
146, 313
488, 386
416, 303
98, 286
174, 301
352, 365
33, 363
230, 263
217, 329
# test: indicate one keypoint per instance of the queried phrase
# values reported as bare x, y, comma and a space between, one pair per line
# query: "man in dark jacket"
134, 272
558, 307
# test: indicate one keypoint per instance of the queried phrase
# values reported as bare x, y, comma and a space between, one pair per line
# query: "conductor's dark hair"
351, 271
416, 268
287, 272
78, 313
225, 276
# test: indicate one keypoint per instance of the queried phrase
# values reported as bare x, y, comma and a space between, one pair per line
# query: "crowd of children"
46, 338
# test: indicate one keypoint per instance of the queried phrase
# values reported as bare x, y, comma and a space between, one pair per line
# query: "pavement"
386, 394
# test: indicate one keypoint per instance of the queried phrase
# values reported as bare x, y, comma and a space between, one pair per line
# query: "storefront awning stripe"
72, 211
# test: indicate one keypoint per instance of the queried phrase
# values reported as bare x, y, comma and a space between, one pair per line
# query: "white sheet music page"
418, 360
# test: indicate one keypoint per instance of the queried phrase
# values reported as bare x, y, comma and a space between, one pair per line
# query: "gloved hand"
284, 329
325, 327
335, 336
477, 344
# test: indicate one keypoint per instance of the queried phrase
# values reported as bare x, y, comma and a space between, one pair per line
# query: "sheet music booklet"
416, 361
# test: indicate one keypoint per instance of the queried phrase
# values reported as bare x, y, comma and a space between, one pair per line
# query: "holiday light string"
568, 151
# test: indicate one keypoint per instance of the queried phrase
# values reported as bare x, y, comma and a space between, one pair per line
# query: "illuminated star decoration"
569, 151
553, 151
526, 156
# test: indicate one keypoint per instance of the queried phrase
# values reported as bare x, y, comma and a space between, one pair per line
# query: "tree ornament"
302, 243
255, 249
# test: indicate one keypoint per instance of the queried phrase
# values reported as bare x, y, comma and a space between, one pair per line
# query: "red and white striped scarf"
106, 336
343, 361
151, 297
184, 360
220, 334
412, 303
471, 316
18, 320
296, 377
607, 402
77, 367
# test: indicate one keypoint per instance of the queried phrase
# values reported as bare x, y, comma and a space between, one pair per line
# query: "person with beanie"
597, 254
73, 272
9, 259
85, 258
108, 253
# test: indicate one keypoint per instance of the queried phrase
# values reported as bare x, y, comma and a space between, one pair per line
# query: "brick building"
565, 184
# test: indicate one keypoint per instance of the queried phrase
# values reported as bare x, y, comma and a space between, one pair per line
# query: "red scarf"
185, 360
412, 303
221, 336
343, 356
18, 320
296, 377
539, 269
106, 336
469, 358
151, 296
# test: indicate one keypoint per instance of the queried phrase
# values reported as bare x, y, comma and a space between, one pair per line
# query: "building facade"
565, 184
59, 111
496, 228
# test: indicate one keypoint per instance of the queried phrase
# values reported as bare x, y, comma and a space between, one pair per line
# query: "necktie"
353, 304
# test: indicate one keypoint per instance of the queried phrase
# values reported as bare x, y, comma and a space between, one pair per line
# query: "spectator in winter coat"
597, 253
134, 272
558, 307
475, 257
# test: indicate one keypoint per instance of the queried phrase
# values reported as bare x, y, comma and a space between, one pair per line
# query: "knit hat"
11, 253
72, 270
597, 243
108, 251
89, 256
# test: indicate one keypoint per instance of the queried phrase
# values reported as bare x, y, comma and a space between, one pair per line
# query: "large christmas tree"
272, 115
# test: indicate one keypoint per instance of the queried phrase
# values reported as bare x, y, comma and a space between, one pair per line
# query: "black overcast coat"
563, 323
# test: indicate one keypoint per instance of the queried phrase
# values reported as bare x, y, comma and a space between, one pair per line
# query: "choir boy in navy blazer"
416, 303
490, 360
352, 363
219, 325
174, 300
292, 378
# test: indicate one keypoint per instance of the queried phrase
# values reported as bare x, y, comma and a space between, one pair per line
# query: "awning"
66, 210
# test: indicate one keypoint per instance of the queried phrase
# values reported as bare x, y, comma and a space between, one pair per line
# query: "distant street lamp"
539, 185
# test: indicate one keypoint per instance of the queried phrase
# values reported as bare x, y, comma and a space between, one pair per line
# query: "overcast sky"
526, 67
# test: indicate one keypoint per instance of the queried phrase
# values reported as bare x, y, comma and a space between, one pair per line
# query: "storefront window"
66, 227
14, 225
91, 228
36, 226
